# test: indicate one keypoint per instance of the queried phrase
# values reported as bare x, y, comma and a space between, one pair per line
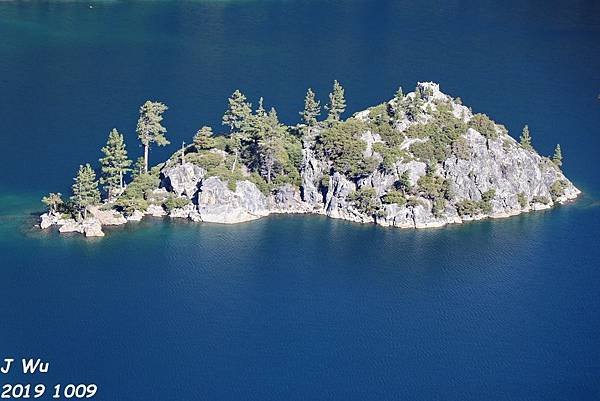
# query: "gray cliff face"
520, 180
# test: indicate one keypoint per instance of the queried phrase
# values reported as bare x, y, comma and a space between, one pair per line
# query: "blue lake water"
298, 307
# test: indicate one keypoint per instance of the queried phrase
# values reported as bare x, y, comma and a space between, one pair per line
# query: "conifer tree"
312, 109
270, 146
238, 111
138, 167
525, 138
337, 103
114, 164
85, 189
557, 157
398, 103
204, 138
53, 201
149, 128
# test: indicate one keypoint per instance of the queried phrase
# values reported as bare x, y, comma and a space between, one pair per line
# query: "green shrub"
432, 186
558, 189
414, 202
206, 160
365, 200
482, 124
438, 207
174, 202
540, 199
467, 207
522, 199
135, 196
394, 196
461, 149
341, 143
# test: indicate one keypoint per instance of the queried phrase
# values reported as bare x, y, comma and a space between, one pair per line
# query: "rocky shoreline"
489, 176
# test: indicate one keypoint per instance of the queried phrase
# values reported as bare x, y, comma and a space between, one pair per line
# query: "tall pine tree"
312, 109
149, 128
114, 164
557, 157
238, 111
85, 190
337, 103
525, 138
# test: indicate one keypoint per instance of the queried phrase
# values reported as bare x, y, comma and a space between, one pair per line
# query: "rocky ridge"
491, 176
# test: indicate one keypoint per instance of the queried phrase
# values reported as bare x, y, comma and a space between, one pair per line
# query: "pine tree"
138, 167
525, 138
397, 103
557, 157
238, 111
149, 128
204, 138
312, 109
114, 164
85, 189
270, 146
53, 201
337, 103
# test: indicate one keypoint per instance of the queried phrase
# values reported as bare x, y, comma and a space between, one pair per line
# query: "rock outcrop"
483, 174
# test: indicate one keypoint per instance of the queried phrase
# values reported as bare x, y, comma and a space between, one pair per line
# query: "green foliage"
53, 201
312, 109
225, 174
467, 207
396, 105
380, 122
522, 199
394, 196
341, 143
337, 103
137, 193
238, 111
485, 205
461, 149
557, 157
438, 207
149, 128
138, 167
174, 202
204, 139
389, 154
205, 159
414, 202
484, 125
540, 199
403, 183
115, 163
260, 183
432, 186
365, 200
441, 132
525, 139
85, 189
557, 189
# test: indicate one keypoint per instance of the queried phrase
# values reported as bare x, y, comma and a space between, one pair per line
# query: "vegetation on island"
259, 148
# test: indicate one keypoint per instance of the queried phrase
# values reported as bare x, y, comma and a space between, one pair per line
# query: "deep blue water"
298, 308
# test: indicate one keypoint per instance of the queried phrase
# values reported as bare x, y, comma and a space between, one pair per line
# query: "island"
419, 160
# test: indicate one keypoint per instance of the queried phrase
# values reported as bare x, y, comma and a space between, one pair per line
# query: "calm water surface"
298, 308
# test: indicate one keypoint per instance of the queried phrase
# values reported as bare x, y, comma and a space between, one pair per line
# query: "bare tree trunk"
145, 158
121, 180
234, 160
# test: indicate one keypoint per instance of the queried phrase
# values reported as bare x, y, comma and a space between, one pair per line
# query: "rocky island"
421, 159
